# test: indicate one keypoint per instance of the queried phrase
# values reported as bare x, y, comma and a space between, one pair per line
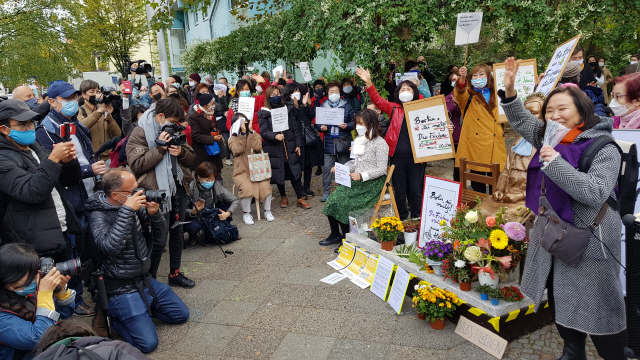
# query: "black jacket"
112, 229
26, 204
201, 128
105, 348
276, 148
303, 115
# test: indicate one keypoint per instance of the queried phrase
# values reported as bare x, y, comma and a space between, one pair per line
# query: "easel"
389, 201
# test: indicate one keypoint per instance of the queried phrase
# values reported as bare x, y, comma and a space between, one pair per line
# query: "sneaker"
228, 162
178, 279
269, 216
325, 196
309, 193
247, 218
84, 310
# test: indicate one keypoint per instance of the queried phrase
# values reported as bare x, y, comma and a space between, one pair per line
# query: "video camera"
69, 267
143, 66
177, 138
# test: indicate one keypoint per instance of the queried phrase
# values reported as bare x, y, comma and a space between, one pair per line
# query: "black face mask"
592, 64
319, 92
157, 97
92, 100
392, 67
174, 95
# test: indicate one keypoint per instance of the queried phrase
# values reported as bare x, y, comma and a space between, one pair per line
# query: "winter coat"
221, 106
276, 149
303, 115
215, 196
607, 79
201, 128
233, 108
597, 96
397, 123
344, 134
354, 98
112, 230
241, 146
481, 137
26, 204
586, 75
102, 128
105, 348
588, 297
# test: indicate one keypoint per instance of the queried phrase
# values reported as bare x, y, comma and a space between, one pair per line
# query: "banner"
526, 80
439, 202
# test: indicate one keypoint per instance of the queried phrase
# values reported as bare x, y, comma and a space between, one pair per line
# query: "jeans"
193, 227
176, 234
408, 186
329, 163
131, 320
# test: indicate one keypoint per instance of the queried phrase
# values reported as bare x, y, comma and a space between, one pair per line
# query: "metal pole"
162, 46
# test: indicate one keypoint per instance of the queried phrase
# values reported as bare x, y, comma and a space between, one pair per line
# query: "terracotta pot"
437, 324
387, 245
422, 316
465, 286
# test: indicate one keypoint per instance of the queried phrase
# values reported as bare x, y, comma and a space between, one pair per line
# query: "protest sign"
342, 175
246, 106
468, 28
329, 116
280, 119
399, 289
398, 78
427, 122
382, 277
278, 69
357, 265
365, 278
220, 87
439, 201
526, 80
306, 73
481, 337
557, 64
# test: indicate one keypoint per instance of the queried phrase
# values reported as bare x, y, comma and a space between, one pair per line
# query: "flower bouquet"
387, 229
434, 304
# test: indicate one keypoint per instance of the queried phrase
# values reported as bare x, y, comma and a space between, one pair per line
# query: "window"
178, 45
196, 15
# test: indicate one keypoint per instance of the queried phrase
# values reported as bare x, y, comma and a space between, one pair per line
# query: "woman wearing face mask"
625, 101
423, 87
597, 70
577, 197
284, 148
572, 76
206, 192
454, 118
408, 177
204, 132
607, 79
352, 93
243, 89
481, 137
447, 85
29, 302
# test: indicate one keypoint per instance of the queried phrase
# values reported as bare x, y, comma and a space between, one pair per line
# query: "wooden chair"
469, 196
233, 191
386, 199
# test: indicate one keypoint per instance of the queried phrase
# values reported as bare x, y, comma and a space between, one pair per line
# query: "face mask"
618, 109
208, 184
192, 83
579, 62
417, 71
275, 99
347, 89
157, 97
258, 88
361, 129
601, 64
69, 108
176, 85
92, 100
319, 92
32, 102
23, 137
479, 83
245, 93
174, 95
392, 67
405, 96
633, 62
453, 83
334, 97
29, 289
295, 96
592, 64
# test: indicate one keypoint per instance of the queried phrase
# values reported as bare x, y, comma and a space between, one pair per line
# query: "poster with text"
439, 201
526, 80
280, 119
306, 73
557, 64
427, 121
468, 28
246, 106
329, 116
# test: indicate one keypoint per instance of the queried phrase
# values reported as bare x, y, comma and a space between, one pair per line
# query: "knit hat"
204, 99
195, 77
160, 84
318, 82
409, 64
572, 69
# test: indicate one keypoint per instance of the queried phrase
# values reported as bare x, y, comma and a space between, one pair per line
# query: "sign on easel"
468, 28
557, 64
439, 202
526, 80
481, 337
427, 121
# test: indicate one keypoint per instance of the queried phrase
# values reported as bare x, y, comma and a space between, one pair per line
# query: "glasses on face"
617, 96
23, 126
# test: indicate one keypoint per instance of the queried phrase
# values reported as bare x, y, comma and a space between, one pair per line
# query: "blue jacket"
597, 96
20, 335
344, 134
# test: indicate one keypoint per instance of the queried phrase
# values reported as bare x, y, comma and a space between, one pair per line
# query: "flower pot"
410, 238
437, 324
484, 297
495, 302
465, 286
422, 316
387, 245
485, 279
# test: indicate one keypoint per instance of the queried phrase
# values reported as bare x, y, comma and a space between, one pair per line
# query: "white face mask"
334, 97
633, 62
579, 62
295, 96
618, 109
361, 130
192, 83
405, 96
601, 64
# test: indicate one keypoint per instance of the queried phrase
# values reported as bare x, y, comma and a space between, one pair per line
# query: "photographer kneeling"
119, 218
30, 302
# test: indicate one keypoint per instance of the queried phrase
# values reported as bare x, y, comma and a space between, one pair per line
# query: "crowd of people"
111, 177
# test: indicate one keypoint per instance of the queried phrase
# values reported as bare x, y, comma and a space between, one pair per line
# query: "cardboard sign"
342, 175
557, 64
481, 337
246, 105
280, 119
306, 73
399, 289
468, 28
347, 253
382, 277
427, 121
526, 80
329, 116
439, 201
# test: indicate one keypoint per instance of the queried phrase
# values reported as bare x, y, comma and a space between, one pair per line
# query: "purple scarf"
558, 198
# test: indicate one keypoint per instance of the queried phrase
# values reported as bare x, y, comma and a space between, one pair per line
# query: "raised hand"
365, 75
510, 70
259, 79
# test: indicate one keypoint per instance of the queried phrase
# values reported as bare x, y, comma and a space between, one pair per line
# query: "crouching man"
125, 229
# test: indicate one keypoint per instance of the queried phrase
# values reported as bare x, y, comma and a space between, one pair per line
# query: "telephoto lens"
156, 196
69, 267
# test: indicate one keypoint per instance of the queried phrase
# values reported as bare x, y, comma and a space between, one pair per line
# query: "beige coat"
607, 80
102, 128
241, 146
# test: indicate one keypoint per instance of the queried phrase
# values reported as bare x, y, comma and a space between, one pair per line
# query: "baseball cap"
62, 89
17, 110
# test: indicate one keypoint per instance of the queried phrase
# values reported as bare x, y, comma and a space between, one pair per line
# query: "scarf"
485, 92
572, 134
630, 121
359, 144
234, 105
164, 174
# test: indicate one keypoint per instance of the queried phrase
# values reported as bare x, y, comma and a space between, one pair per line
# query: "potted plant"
511, 294
463, 273
388, 228
435, 304
411, 227
484, 291
435, 251
496, 295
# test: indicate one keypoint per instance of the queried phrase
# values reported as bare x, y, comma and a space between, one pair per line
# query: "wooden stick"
466, 51
285, 146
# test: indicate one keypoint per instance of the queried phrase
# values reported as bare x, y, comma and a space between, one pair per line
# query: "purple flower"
515, 231
440, 255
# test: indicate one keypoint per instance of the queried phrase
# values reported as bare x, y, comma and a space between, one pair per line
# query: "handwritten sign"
481, 337
439, 202
306, 73
468, 28
427, 121
329, 116
399, 289
246, 106
280, 119
342, 175
382, 277
557, 64
526, 80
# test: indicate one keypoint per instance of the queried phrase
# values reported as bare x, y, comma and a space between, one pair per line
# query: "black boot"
335, 236
573, 351
345, 230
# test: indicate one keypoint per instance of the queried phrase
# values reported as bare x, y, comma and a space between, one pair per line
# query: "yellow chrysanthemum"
441, 304
448, 305
443, 222
499, 239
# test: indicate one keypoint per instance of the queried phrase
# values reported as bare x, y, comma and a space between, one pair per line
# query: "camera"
143, 66
69, 267
156, 196
66, 130
176, 137
107, 96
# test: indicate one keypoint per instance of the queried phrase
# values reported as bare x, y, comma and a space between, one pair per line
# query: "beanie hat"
572, 69
195, 77
204, 99
318, 82
160, 84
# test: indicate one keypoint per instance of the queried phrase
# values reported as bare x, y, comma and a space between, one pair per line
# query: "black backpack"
627, 183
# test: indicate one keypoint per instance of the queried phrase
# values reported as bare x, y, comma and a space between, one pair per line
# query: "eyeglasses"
617, 96
24, 126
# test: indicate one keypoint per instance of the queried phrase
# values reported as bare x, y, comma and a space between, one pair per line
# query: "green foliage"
484, 289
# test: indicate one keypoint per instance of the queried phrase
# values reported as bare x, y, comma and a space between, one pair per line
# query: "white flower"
416, 287
460, 263
472, 217
473, 254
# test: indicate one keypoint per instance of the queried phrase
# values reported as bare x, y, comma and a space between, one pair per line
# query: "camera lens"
156, 196
69, 267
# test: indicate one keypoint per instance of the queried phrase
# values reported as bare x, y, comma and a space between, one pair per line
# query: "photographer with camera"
95, 114
128, 230
139, 70
32, 298
159, 156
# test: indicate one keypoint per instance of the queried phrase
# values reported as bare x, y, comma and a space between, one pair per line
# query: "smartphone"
127, 87
66, 130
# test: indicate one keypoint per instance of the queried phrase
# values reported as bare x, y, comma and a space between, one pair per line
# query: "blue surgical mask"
417, 71
69, 108
23, 137
334, 98
208, 184
245, 93
453, 83
29, 289
479, 83
32, 102
347, 89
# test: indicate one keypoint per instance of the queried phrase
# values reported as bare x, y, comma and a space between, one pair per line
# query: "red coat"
388, 107
259, 104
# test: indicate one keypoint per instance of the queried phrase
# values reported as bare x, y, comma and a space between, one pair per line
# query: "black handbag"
311, 136
343, 144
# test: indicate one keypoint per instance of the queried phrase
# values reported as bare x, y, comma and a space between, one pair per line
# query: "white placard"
525, 83
398, 289
429, 132
398, 77
280, 119
219, 87
246, 106
333, 278
382, 277
481, 337
306, 73
556, 66
468, 28
439, 201
329, 116
278, 69
342, 175
409, 75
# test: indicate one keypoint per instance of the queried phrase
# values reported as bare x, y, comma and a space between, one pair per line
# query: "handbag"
561, 239
213, 149
341, 146
311, 136
259, 166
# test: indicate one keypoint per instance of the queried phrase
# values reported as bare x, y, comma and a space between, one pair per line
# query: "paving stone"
309, 275
254, 343
276, 317
397, 352
231, 313
418, 333
206, 339
358, 350
309, 347
331, 323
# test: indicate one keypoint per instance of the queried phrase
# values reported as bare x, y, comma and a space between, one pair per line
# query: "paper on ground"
357, 265
333, 278
380, 284
345, 257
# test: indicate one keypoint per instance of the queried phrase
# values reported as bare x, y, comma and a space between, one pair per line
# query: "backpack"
627, 176
69, 352
216, 230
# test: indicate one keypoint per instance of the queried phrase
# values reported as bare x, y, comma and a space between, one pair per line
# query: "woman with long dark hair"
244, 88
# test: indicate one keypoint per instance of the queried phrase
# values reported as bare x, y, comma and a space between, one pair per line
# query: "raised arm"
383, 104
